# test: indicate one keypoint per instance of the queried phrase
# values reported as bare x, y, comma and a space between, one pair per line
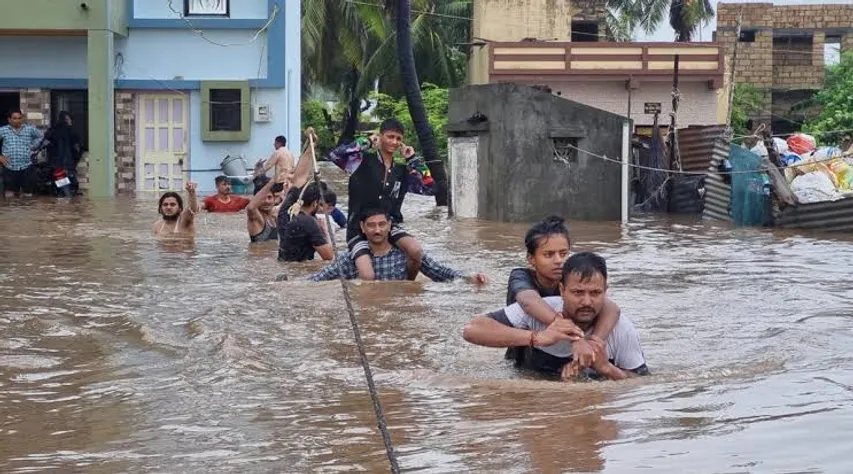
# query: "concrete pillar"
101, 52
847, 43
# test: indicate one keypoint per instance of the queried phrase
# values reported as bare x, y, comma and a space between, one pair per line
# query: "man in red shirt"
223, 200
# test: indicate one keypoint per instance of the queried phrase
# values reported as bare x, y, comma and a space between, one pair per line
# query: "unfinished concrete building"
781, 52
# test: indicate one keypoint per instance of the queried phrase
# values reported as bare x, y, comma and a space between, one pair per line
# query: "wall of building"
43, 56
698, 105
146, 54
781, 58
208, 155
150, 54
513, 20
238, 9
518, 177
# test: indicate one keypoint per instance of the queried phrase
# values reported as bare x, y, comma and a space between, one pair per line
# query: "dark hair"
539, 232
220, 179
391, 125
170, 194
330, 196
311, 195
374, 212
585, 265
281, 139
60, 119
12, 112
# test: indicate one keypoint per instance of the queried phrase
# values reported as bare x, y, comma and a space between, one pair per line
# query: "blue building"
161, 90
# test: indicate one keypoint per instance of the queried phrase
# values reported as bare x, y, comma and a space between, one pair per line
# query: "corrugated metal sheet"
697, 144
830, 216
702, 149
685, 196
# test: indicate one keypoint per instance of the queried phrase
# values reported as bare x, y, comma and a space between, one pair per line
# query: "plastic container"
234, 166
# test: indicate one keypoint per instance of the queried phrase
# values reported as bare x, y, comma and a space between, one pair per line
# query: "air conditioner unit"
261, 113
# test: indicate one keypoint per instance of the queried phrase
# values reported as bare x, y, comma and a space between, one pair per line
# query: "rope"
297, 206
356, 331
704, 173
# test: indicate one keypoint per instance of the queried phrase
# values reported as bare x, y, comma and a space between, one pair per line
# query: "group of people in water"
557, 320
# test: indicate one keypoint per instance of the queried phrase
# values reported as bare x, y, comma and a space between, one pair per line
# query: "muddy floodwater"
122, 354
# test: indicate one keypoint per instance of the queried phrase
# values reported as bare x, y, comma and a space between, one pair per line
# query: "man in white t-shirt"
582, 296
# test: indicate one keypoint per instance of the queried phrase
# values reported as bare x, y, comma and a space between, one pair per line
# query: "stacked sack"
815, 174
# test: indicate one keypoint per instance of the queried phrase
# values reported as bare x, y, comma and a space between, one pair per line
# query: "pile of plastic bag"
815, 174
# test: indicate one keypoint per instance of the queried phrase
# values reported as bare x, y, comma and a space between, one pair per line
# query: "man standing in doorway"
19, 140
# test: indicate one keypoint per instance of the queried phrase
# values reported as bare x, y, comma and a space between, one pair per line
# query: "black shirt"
373, 186
521, 279
299, 237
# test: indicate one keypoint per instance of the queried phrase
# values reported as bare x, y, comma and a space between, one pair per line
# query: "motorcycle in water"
51, 181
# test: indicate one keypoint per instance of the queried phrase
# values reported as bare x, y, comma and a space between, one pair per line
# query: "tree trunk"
353, 112
412, 88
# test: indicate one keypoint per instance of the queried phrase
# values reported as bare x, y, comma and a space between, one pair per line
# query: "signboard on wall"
652, 108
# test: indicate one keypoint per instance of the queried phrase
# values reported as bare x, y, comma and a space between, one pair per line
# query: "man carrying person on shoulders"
389, 262
582, 297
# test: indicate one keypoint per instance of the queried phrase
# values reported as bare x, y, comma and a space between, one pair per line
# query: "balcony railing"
574, 61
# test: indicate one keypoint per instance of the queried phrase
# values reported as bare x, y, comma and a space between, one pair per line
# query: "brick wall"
589, 10
35, 105
125, 142
698, 105
755, 15
767, 15
782, 65
813, 16
847, 42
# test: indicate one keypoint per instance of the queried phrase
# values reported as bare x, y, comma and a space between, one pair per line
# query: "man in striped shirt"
389, 262
19, 140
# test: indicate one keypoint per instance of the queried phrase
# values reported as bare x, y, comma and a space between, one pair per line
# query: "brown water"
121, 354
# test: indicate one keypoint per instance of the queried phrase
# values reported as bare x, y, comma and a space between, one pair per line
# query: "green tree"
836, 103
435, 102
349, 46
747, 101
685, 16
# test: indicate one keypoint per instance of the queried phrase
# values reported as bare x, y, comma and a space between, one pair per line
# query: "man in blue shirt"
19, 140
389, 262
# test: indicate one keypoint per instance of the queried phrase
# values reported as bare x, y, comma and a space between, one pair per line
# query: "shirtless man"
283, 162
175, 221
261, 215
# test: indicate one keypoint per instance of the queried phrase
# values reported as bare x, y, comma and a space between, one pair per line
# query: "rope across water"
356, 331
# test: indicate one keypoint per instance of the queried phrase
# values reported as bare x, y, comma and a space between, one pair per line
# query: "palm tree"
411, 85
685, 16
348, 46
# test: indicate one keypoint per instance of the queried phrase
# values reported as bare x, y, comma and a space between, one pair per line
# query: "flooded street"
122, 354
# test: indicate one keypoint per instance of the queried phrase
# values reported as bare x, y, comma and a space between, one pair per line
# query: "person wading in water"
380, 180
305, 233
223, 200
548, 246
261, 215
175, 221
583, 292
389, 261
